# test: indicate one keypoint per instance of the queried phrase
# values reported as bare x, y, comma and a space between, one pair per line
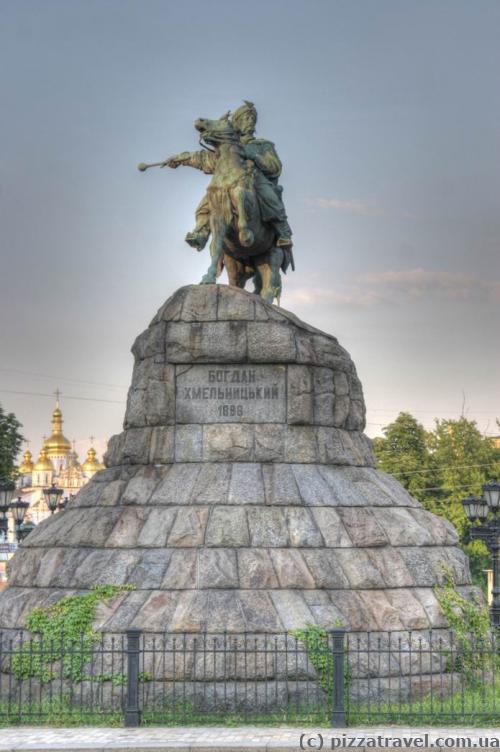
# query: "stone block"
300, 407
157, 611
247, 485
341, 384
217, 568
313, 489
177, 485
182, 570
191, 612
267, 527
135, 413
291, 569
226, 441
270, 443
300, 444
200, 303
356, 420
325, 569
211, 342
402, 529
136, 446
225, 613
341, 407
237, 393
302, 530
412, 613
280, 485
256, 569
392, 564
231, 306
127, 527
112, 493
114, 452
149, 572
362, 527
162, 445
189, 527
270, 342
188, 443
140, 488
212, 484
331, 527
292, 609
259, 612
151, 342
159, 401
172, 308
227, 526
359, 568
335, 446
156, 528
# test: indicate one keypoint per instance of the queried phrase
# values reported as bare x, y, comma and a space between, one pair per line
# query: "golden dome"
44, 463
91, 465
73, 460
57, 444
26, 465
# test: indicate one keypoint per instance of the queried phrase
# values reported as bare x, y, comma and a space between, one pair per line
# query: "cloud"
396, 287
353, 297
351, 206
421, 283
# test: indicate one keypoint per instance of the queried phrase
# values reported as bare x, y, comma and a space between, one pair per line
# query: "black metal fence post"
338, 709
132, 710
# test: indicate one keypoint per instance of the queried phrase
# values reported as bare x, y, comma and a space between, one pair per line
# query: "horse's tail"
220, 203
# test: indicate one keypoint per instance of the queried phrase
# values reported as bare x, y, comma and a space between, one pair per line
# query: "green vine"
65, 637
316, 642
469, 620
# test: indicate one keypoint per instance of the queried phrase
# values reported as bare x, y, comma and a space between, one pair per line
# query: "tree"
404, 453
10, 443
440, 468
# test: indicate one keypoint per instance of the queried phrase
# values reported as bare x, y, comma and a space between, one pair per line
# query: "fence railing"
331, 678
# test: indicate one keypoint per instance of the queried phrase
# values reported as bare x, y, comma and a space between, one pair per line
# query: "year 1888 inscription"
231, 394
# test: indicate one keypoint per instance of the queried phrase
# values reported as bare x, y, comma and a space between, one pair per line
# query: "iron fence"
329, 678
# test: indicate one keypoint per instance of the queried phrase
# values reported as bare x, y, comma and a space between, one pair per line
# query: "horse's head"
214, 132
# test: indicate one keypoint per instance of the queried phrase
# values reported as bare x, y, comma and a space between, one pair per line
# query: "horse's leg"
238, 198
218, 228
263, 264
276, 260
235, 271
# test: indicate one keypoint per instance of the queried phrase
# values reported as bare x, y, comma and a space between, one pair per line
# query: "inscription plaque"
231, 394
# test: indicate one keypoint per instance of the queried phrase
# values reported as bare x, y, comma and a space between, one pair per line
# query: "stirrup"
284, 242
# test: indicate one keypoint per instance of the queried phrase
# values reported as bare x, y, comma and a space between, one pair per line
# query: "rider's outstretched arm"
201, 160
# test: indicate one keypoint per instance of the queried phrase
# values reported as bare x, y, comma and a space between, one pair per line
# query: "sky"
386, 116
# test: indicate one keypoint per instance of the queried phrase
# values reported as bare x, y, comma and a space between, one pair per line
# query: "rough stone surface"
241, 511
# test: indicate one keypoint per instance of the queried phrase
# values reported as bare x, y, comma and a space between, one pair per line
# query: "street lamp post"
52, 496
486, 513
18, 509
7, 489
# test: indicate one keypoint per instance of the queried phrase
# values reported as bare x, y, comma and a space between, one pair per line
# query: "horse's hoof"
246, 238
208, 279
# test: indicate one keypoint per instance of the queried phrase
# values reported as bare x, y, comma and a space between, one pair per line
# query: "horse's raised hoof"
246, 237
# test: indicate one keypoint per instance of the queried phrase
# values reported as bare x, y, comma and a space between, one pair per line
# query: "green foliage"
470, 623
315, 640
479, 560
404, 453
439, 467
65, 635
10, 443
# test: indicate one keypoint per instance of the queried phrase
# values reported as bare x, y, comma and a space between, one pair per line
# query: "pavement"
242, 739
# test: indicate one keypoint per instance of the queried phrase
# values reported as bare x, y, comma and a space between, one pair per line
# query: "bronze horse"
241, 241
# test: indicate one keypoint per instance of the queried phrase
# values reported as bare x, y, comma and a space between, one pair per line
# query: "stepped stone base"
242, 493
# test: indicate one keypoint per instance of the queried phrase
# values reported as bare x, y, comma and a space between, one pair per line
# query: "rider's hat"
243, 110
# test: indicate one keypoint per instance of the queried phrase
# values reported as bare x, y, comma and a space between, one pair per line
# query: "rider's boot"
197, 239
284, 233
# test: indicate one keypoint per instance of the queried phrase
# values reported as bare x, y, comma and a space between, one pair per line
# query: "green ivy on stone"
66, 638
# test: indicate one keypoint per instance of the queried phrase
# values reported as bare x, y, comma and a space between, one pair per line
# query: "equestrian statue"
242, 210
